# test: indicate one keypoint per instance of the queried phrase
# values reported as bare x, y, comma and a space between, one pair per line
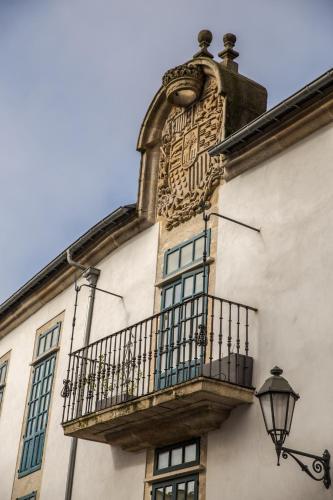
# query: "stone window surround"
199, 469
4, 359
32, 481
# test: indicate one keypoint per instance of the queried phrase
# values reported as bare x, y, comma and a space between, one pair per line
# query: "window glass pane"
168, 296
41, 345
188, 286
181, 491
172, 262
163, 460
199, 283
3, 369
176, 456
190, 452
178, 291
159, 494
190, 490
199, 248
168, 493
48, 341
53, 337
186, 255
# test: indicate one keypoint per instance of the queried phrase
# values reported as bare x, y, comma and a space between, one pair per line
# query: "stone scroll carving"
187, 174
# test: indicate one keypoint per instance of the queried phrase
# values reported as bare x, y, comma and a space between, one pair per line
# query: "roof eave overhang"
89, 249
276, 118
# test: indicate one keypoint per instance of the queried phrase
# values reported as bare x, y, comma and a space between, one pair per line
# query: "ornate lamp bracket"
319, 469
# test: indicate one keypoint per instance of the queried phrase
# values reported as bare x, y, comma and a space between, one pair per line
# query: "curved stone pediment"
200, 103
187, 174
174, 143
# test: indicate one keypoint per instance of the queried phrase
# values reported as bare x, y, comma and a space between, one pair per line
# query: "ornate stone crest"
187, 174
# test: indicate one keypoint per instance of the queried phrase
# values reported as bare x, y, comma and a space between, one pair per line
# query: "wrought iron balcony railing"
205, 336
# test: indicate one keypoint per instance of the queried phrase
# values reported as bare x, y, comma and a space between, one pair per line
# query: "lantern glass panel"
265, 402
280, 409
292, 402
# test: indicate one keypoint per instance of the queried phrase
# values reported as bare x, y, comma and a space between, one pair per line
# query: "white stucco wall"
287, 272
130, 271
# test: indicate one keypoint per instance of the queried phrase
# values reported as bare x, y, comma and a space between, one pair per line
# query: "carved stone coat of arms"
187, 174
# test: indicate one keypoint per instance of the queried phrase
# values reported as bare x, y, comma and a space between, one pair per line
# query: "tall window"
179, 356
39, 401
3, 375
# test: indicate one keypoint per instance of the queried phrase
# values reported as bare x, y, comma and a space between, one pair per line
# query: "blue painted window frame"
181, 281
3, 372
30, 496
171, 375
48, 340
36, 422
178, 249
3, 376
39, 402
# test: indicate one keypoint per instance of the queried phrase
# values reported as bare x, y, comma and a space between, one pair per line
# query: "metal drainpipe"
91, 274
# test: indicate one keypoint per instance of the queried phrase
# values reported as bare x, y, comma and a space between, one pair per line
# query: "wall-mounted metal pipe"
91, 274
72, 262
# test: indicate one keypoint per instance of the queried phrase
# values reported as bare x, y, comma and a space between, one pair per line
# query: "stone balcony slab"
175, 413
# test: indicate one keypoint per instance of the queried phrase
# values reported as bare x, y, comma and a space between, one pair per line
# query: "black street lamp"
277, 401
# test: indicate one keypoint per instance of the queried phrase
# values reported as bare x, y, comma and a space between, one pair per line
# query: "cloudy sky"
76, 77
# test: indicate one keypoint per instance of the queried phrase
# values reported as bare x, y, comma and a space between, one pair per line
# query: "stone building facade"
128, 365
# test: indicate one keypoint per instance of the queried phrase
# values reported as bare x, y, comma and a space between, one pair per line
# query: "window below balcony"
182, 488
177, 456
176, 471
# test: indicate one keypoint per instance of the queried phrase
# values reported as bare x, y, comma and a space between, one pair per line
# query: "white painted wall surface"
101, 471
287, 272
20, 342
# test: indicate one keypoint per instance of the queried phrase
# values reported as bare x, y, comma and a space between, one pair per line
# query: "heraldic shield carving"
187, 174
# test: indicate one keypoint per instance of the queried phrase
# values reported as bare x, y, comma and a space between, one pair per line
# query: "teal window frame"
3, 376
39, 401
3, 372
167, 374
37, 417
181, 281
178, 249
174, 482
168, 449
48, 340
30, 496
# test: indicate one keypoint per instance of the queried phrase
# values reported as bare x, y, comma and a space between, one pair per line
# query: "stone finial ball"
205, 36
229, 38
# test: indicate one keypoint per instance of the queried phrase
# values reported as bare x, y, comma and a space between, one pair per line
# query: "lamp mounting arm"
319, 469
208, 216
100, 290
